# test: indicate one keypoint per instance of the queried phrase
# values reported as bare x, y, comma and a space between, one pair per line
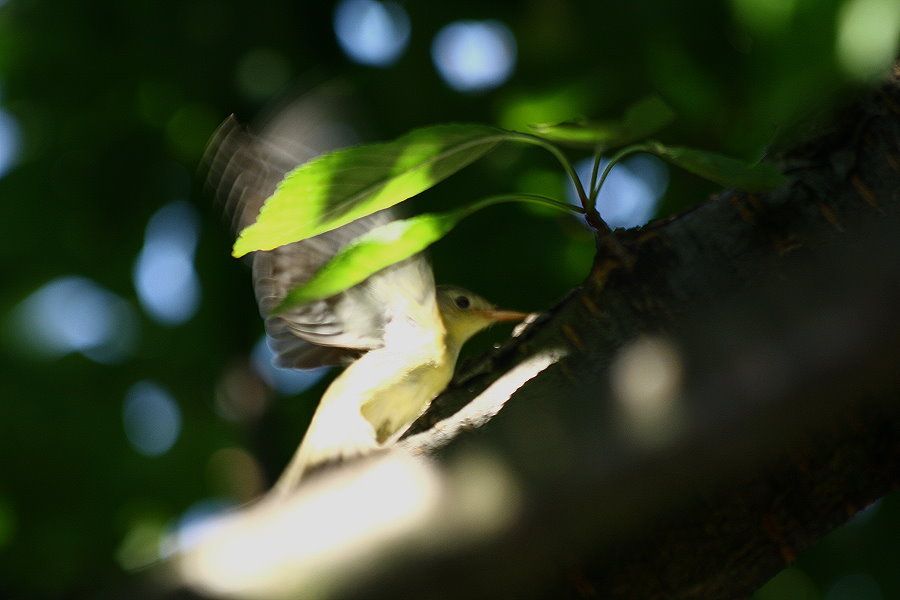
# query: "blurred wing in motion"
244, 169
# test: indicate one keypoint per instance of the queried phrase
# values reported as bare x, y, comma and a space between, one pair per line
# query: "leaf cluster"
345, 185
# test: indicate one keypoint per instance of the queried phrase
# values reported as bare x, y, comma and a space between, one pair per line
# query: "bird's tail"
338, 432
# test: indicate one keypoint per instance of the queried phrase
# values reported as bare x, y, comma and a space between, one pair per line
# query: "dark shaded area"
115, 102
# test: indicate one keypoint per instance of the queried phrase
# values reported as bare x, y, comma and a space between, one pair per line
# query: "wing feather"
244, 169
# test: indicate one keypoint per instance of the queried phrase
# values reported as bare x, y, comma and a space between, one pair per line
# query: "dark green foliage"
115, 102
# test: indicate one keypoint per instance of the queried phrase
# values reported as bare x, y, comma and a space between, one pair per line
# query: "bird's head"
465, 314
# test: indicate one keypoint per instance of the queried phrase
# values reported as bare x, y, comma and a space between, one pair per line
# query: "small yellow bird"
399, 334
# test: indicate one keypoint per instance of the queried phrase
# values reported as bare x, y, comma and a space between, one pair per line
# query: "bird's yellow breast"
397, 400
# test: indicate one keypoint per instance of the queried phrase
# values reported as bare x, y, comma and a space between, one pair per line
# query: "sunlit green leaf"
371, 252
721, 169
579, 132
342, 186
641, 120
390, 243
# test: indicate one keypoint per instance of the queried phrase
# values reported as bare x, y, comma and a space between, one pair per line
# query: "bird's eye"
462, 302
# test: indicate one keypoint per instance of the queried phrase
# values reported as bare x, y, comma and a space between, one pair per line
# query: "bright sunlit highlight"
632, 191
151, 418
474, 55
286, 382
867, 36
10, 141
164, 275
74, 314
371, 33
302, 544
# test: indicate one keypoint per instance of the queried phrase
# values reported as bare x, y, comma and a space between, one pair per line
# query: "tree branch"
682, 429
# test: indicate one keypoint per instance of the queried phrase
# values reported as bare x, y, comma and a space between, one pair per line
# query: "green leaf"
721, 169
371, 252
390, 243
642, 119
343, 186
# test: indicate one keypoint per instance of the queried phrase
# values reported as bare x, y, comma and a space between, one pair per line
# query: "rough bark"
778, 316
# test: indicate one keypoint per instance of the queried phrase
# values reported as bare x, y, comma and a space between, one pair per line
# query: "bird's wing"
244, 169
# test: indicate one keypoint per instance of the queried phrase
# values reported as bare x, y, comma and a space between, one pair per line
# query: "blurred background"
137, 394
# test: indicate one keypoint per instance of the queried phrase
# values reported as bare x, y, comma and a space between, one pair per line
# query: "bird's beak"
503, 315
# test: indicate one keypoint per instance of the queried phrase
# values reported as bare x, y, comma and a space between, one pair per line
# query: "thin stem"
594, 171
618, 156
593, 218
566, 165
530, 198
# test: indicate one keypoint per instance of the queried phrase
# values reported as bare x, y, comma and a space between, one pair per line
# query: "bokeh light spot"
867, 39
164, 275
856, 586
646, 379
371, 33
474, 55
10, 142
631, 193
550, 106
235, 473
151, 418
241, 394
285, 381
194, 525
764, 16
74, 314
140, 546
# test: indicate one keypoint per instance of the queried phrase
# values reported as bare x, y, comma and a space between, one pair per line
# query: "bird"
397, 334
